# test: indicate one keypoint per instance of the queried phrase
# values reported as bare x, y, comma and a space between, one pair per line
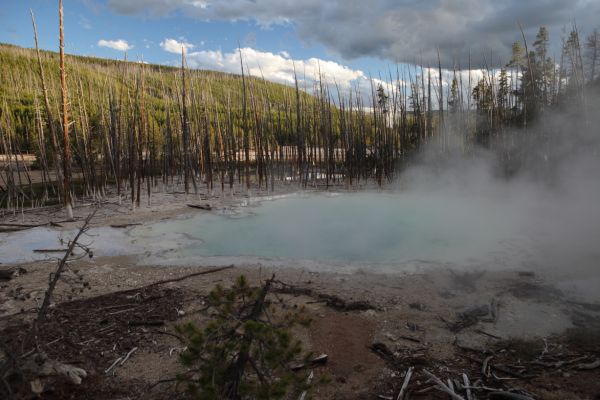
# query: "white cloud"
119, 44
175, 46
276, 67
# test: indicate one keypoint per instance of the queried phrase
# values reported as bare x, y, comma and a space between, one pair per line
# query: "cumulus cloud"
282, 68
175, 46
397, 30
277, 67
119, 44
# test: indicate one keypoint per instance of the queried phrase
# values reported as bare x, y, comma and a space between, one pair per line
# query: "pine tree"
454, 98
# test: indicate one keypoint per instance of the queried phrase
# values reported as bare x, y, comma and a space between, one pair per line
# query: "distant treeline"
137, 127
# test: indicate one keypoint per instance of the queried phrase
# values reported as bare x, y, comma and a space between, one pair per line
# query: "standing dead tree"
48, 109
68, 201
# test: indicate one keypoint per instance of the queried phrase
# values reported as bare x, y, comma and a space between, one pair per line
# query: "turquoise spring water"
349, 228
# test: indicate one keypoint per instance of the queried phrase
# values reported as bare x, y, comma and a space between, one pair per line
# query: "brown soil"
117, 313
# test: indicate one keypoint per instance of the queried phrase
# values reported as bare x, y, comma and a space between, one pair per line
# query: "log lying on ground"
11, 227
206, 207
125, 225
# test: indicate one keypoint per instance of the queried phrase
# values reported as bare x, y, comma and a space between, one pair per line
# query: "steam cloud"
550, 202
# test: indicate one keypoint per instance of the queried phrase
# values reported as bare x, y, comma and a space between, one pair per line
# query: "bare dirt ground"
509, 330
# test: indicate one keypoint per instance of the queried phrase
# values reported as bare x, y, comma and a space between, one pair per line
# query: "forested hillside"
134, 123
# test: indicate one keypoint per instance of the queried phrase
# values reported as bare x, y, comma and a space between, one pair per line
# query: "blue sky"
88, 22
346, 40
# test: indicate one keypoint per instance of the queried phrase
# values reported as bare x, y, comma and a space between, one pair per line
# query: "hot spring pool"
383, 232
349, 229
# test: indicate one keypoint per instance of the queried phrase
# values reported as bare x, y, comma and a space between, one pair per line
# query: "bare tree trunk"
68, 202
49, 116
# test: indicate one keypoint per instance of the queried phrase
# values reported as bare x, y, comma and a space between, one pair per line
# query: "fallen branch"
209, 271
106, 371
404, 387
128, 355
442, 386
59, 270
466, 385
588, 366
308, 382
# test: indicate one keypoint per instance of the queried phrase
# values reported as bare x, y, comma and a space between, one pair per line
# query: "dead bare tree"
68, 201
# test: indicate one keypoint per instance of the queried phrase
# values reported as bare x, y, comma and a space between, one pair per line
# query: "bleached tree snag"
68, 201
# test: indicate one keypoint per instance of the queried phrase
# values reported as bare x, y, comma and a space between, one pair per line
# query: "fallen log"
206, 207
125, 225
